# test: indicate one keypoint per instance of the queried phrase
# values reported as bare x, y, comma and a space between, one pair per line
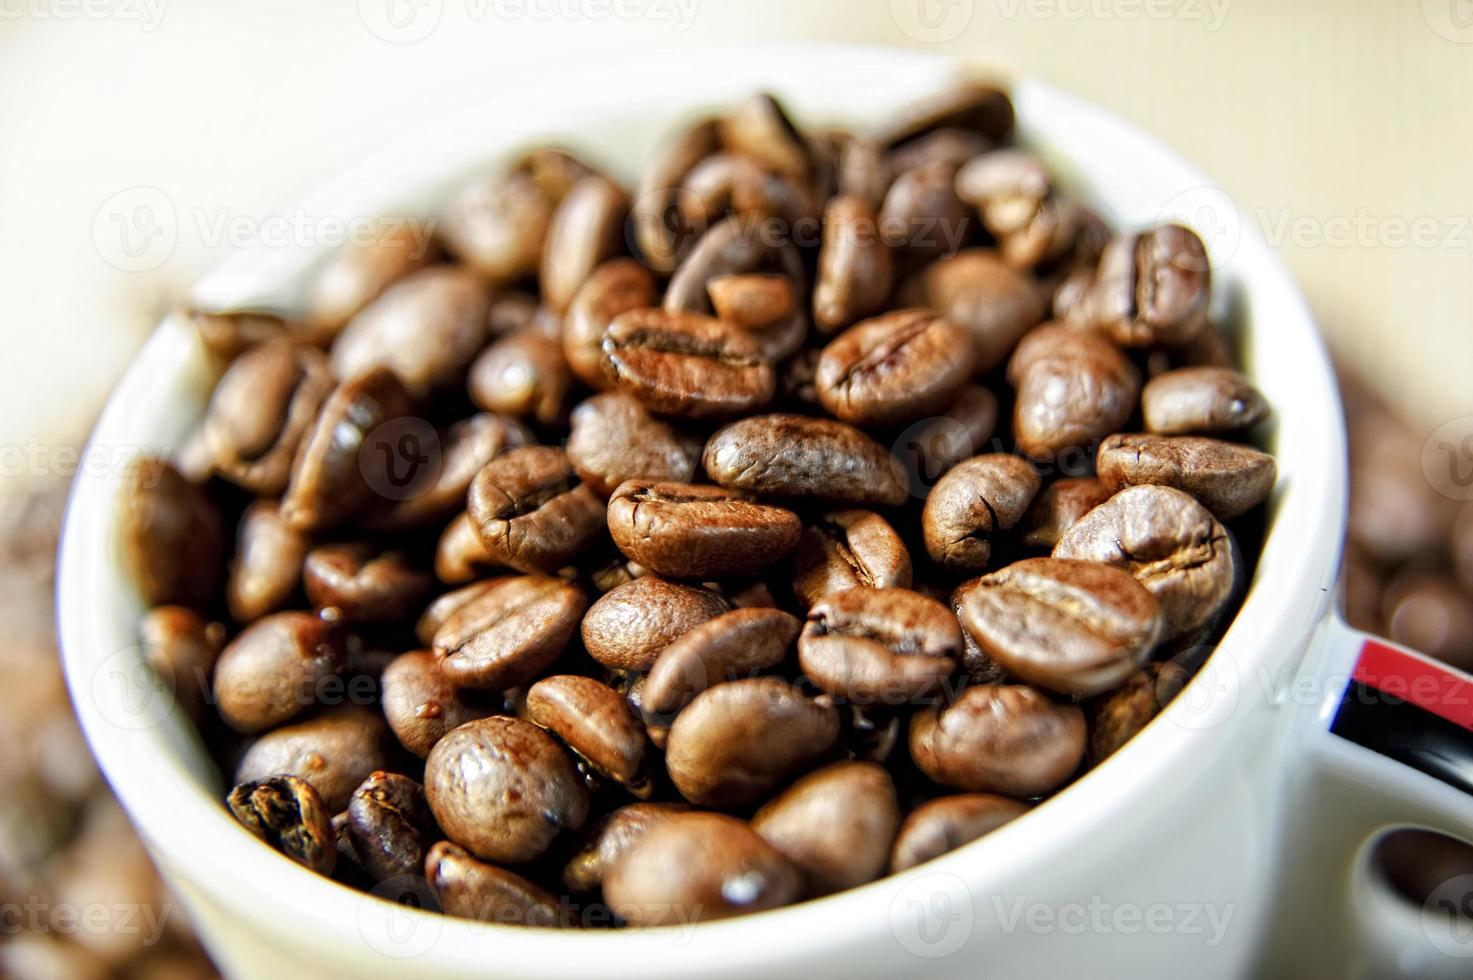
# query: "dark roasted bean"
846, 549
1229, 479
596, 722
610, 838
1117, 717
729, 647
1073, 389
835, 824
362, 586
1060, 507
800, 456
628, 626
470, 889
854, 265
334, 751
614, 438
974, 289
1152, 288
530, 510
421, 704
885, 646
615, 287
686, 364
524, 375
686, 531
182, 649
509, 633
274, 670
999, 738
170, 534
894, 368
267, 567
287, 813
972, 502
942, 825
1201, 400
390, 825
586, 229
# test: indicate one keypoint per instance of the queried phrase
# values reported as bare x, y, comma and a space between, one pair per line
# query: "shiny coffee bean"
957, 432
503, 789
334, 751
616, 287
421, 704
737, 742
595, 722
879, 646
799, 456
523, 375
697, 867
459, 554
1007, 739
471, 889
683, 530
390, 825
267, 567
686, 364
628, 627
509, 633
182, 647
1201, 400
973, 501
894, 368
275, 669
1152, 288
287, 814
979, 292
610, 838
531, 511
614, 438
854, 265
847, 549
440, 608
466, 447
730, 247
360, 271
971, 106
764, 306
1119, 716
586, 229
1074, 627
1073, 388
921, 211
664, 243
1229, 479
729, 185
170, 534
364, 587
1060, 507
731, 646
942, 825
1169, 542
835, 824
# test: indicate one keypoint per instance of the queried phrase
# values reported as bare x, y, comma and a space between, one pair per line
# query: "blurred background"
143, 139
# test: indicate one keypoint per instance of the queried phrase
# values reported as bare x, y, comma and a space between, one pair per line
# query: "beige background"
1343, 128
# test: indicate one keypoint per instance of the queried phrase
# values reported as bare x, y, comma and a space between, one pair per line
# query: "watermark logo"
1449, 926
129, 693
390, 918
1209, 13
1212, 695
933, 21
148, 14
401, 458
1447, 459
933, 916
1210, 213
1100, 917
136, 229
401, 21
1451, 20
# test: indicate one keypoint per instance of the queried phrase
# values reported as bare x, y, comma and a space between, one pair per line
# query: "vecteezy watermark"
1364, 229
1447, 458
408, 21
36, 915
1447, 919
1209, 13
401, 459
36, 458
136, 229
933, 21
148, 14
932, 916
1451, 20
1102, 917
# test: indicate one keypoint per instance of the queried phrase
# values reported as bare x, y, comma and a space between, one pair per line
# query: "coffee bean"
894, 368
1201, 400
628, 627
663, 243
334, 751
611, 838
731, 646
523, 375
273, 671
886, 646
360, 271
948, 146
470, 889
799, 456
979, 292
503, 789
530, 510
1120, 715
596, 723
182, 647
614, 438
362, 586
421, 704
854, 265
227, 334
725, 184
509, 633
999, 738
686, 364
1060, 507
759, 127
1229, 479
847, 549
1152, 287
615, 287
729, 247
764, 306
1169, 542
978, 666
686, 531
942, 825
1013, 194
922, 213
467, 446
862, 170
835, 824
1073, 388
972, 502
586, 229
170, 534
390, 825
267, 567
1074, 627
736, 742
972, 106
957, 432
459, 555
287, 814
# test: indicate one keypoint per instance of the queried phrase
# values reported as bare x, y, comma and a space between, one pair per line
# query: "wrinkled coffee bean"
1073, 388
595, 722
267, 567
610, 838
799, 456
170, 533
390, 825
885, 646
421, 704
1060, 507
287, 814
334, 751
614, 438
1228, 479
509, 633
275, 669
686, 531
362, 586
854, 265
835, 824
974, 289
628, 627
847, 549
523, 375
972, 502
1201, 400
894, 368
1152, 288
686, 364
1119, 716
531, 511
999, 738
941, 826
616, 287
731, 646
470, 889
586, 229
182, 649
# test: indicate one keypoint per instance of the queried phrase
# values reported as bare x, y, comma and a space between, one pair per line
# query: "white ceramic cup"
1228, 838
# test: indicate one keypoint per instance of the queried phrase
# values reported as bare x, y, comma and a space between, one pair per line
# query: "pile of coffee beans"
652, 553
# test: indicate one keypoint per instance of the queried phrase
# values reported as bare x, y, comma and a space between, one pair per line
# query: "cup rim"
164, 795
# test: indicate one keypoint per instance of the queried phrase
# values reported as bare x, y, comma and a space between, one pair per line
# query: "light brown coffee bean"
835, 824
360, 271
799, 456
459, 554
1169, 542
614, 438
1152, 288
1074, 627
182, 647
1201, 400
731, 646
596, 723
972, 106
509, 633
364, 587
894, 368
503, 789
467, 446
1073, 388
531, 511
886, 646
737, 742
854, 265
662, 239
421, 704
334, 751
274, 670
976, 290
973, 501
523, 375
759, 127
617, 286
686, 364
942, 825
682, 530
999, 738
611, 838
628, 627
764, 306
957, 432
390, 825
470, 889
1119, 716
267, 567
846, 549
1229, 479
287, 814
586, 229
1060, 507
170, 533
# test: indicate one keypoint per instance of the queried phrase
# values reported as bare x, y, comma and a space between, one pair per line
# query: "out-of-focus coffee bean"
759, 127
725, 184
586, 229
459, 555
275, 669
731, 646
467, 446
958, 432
595, 722
470, 889
1073, 388
509, 633
862, 170
1152, 287
1015, 198
287, 814
615, 287
976, 290
524, 375
1060, 507
614, 438
942, 825
835, 824
922, 213
686, 364
628, 627
893, 368
364, 587
846, 549
182, 647
798, 456
359, 271
949, 147
610, 838
999, 738
390, 825
1119, 716
1428, 612
1201, 400
1395, 513
682, 530
972, 502
662, 243
971, 106
764, 306
334, 751
421, 704
854, 265
731, 247
1364, 584
170, 534
531, 511
885, 646
267, 567
227, 334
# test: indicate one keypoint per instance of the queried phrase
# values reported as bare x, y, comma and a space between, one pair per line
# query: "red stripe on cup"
1417, 680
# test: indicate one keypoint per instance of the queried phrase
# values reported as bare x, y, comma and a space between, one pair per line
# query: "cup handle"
1383, 740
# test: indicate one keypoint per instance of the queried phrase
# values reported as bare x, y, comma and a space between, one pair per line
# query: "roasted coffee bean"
425, 328
854, 265
764, 306
686, 531
921, 211
696, 867
1017, 203
729, 247
1395, 513
1201, 400
979, 292
1074, 627
885, 646
972, 502
760, 128
467, 446
421, 704
835, 824
597, 723
470, 889
628, 627
287, 813
509, 633
616, 573
846, 549
359, 271
182, 648
972, 106
442, 606
1169, 542
390, 825
524, 375
615, 287
362, 586
1229, 479
610, 838
170, 534
531, 512
1428, 612
1152, 288
1116, 718
894, 368
957, 432
726, 184
586, 229
732, 646
799, 456
686, 364
459, 555
1060, 507
978, 666
260, 411
1073, 388
267, 567
862, 171
614, 438
999, 738
334, 751
737, 742
503, 789
275, 669
227, 334
664, 242
942, 825
947, 147
338, 471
